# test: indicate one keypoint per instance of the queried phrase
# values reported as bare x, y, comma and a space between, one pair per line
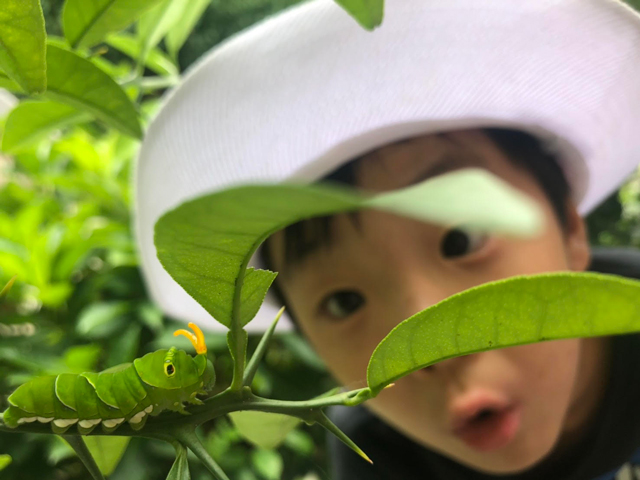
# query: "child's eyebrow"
305, 238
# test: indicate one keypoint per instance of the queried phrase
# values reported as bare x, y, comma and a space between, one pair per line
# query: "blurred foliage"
79, 303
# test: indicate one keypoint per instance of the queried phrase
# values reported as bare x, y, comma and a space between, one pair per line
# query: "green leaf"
5, 460
87, 22
264, 430
156, 60
180, 468
22, 44
8, 84
268, 463
155, 24
30, 121
515, 311
179, 33
254, 289
7, 287
205, 244
107, 451
100, 320
79, 83
368, 13
82, 358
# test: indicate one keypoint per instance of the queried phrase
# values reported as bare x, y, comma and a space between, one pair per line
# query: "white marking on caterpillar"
27, 420
44, 419
149, 409
89, 423
112, 422
137, 418
64, 422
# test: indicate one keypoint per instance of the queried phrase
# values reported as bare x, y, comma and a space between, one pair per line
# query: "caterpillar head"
205, 367
168, 369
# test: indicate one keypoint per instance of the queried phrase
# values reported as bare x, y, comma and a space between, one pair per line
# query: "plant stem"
77, 443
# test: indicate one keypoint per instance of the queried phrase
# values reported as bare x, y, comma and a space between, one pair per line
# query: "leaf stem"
77, 443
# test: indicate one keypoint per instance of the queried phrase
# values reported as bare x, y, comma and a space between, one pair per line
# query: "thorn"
323, 420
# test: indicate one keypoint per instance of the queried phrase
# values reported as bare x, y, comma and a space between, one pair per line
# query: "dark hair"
522, 149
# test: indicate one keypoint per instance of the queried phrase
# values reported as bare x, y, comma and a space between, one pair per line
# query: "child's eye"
341, 304
458, 242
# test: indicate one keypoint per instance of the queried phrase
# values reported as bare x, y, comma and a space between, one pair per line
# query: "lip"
489, 433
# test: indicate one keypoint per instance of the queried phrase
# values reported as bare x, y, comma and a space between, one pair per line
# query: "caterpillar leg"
195, 401
179, 407
139, 419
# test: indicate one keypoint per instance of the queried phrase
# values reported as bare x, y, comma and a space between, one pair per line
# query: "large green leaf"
107, 451
30, 120
79, 83
179, 33
206, 244
367, 13
264, 430
155, 24
22, 44
87, 22
506, 313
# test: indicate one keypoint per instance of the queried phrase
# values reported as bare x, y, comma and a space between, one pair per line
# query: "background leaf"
156, 59
22, 44
87, 22
155, 24
107, 451
101, 319
205, 243
179, 33
516, 311
78, 82
264, 430
30, 120
368, 13
268, 463
5, 460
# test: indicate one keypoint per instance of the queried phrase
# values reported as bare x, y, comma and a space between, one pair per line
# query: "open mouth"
489, 428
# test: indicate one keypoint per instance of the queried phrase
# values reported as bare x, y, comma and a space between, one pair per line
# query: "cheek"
346, 353
547, 374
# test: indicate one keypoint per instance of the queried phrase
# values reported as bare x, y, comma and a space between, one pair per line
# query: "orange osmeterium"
197, 339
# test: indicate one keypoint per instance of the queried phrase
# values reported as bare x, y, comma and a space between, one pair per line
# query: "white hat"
302, 92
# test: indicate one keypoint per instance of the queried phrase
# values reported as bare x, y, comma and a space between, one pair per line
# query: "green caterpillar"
159, 381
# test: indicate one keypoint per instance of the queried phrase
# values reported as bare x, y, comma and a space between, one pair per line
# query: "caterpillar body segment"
161, 380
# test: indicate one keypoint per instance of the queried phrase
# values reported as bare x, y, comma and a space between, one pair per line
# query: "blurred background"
79, 303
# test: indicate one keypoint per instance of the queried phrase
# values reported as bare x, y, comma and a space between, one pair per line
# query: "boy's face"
349, 295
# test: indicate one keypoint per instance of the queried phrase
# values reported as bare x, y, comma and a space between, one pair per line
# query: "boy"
542, 93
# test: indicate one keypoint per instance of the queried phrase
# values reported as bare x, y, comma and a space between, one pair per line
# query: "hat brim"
303, 92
